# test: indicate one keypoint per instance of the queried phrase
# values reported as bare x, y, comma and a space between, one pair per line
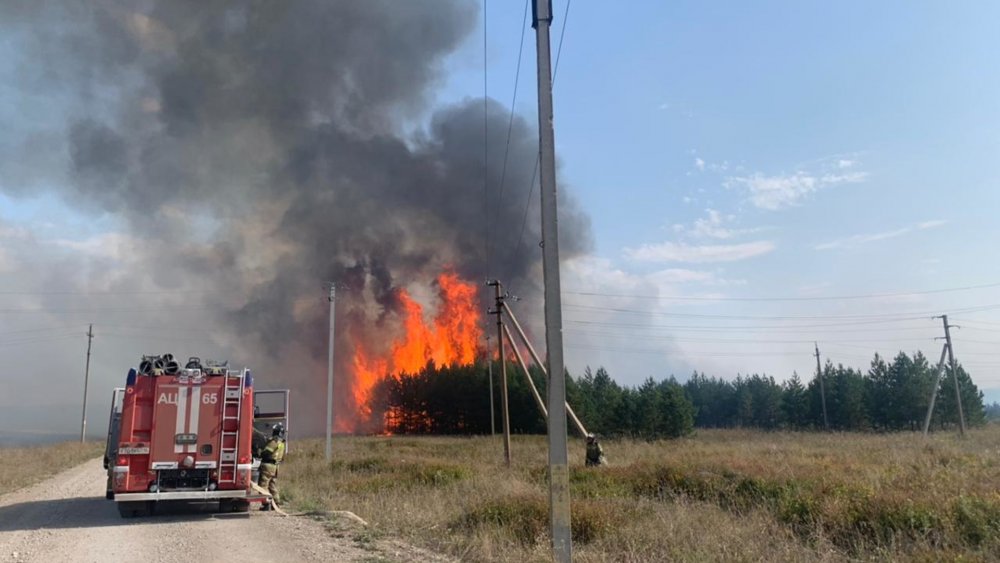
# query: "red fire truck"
187, 434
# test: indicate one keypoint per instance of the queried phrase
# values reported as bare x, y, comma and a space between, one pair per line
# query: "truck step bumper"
180, 495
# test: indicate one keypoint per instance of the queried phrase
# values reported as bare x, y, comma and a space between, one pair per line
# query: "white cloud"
776, 192
593, 274
680, 275
856, 240
713, 226
932, 224
680, 252
699, 164
845, 163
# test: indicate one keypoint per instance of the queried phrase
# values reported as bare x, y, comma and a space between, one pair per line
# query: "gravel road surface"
66, 518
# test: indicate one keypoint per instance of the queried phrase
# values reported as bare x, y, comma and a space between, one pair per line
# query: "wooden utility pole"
489, 367
498, 311
559, 510
822, 388
329, 375
86, 382
954, 374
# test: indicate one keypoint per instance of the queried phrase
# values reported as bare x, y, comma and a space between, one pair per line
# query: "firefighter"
270, 458
595, 454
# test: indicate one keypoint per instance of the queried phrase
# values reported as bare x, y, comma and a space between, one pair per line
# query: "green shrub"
526, 518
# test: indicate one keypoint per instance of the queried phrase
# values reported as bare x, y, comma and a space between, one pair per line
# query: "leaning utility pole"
822, 388
329, 376
954, 374
498, 311
534, 356
934, 392
86, 381
559, 511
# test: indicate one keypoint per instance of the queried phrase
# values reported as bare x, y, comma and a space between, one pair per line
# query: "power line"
829, 298
734, 340
510, 122
39, 339
760, 328
45, 329
914, 315
116, 292
486, 145
101, 310
534, 174
696, 354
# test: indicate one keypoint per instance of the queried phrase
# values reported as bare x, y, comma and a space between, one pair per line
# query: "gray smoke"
258, 149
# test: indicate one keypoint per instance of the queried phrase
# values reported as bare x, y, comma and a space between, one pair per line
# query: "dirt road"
66, 518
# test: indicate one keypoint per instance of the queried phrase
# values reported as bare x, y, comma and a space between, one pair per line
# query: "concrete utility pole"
559, 509
822, 388
954, 374
934, 392
329, 375
86, 382
503, 372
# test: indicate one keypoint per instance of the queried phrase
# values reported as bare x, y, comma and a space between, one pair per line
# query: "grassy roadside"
24, 466
720, 495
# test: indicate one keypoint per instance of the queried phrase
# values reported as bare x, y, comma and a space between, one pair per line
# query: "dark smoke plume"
258, 149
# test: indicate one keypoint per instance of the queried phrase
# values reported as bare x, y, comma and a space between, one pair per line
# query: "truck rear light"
122, 460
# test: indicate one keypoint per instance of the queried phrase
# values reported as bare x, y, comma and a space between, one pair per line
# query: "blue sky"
723, 151
812, 149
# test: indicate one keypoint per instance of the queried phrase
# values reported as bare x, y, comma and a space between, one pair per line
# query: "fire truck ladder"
229, 442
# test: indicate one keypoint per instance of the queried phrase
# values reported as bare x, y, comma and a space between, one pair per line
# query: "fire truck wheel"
109, 494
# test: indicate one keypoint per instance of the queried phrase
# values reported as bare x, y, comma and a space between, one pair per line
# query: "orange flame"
453, 338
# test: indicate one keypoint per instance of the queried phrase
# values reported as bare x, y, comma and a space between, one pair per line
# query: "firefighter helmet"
278, 429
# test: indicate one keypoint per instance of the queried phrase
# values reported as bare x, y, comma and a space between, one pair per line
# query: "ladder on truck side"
229, 440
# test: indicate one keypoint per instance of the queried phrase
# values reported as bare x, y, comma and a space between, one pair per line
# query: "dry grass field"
720, 495
23, 466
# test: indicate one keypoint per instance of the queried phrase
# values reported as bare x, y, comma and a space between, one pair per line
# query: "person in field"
595, 454
270, 458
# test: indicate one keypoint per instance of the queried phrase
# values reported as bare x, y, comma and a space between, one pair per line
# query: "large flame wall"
453, 336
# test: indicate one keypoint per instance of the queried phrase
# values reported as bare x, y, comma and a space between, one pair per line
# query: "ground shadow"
96, 512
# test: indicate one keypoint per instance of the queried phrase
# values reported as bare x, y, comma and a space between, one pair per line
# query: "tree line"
889, 396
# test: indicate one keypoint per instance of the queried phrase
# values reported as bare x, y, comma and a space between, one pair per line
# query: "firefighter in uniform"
595, 454
270, 458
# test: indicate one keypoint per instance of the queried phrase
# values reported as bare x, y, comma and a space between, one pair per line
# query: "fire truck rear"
182, 434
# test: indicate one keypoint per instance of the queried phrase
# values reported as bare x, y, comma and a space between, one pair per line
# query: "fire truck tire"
109, 494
